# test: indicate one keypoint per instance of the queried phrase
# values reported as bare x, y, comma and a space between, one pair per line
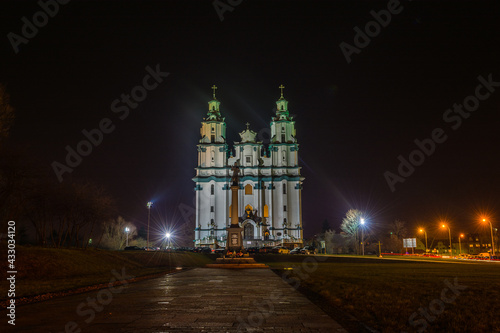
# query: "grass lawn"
383, 294
43, 270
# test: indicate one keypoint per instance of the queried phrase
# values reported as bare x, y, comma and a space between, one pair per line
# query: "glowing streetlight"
127, 230
168, 235
492, 241
362, 221
459, 244
149, 204
425, 232
449, 233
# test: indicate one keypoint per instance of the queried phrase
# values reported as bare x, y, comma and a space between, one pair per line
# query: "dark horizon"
353, 119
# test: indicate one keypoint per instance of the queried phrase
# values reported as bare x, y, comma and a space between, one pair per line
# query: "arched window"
248, 189
266, 211
213, 155
284, 188
212, 189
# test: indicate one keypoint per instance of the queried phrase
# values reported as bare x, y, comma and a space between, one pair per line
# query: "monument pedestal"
234, 240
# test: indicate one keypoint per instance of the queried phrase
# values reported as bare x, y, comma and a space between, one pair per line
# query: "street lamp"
449, 233
362, 221
459, 244
425, 233
149, 204
127, 230
492, 241
168, 239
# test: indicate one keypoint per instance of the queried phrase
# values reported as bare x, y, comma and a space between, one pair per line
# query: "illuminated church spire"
213, 108
282, 107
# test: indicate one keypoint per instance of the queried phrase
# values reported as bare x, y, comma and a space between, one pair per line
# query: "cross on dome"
281, 87
214, 87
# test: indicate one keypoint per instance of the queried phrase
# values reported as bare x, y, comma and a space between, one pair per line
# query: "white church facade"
270, 184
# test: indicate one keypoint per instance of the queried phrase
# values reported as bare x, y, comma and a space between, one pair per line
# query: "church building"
270, 184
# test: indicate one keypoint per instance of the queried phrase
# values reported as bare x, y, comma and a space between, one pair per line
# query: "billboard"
409, 242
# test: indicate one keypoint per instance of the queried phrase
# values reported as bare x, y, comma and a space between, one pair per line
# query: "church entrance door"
248, 231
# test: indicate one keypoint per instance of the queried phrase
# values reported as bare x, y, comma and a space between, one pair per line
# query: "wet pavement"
197, 300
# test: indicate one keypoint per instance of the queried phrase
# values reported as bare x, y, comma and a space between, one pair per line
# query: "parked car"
280, 250
220, 250
484, 255
151, 248
206, 250
132, 248
296, 250
308, 250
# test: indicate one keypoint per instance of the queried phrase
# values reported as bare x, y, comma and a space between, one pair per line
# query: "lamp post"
492, 241
449, 233
149, 204
425, 233
459, 244
127, 230
362, 221
168, 239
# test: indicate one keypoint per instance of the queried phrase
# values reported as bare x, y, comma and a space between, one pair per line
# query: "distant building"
270, 209
473, 244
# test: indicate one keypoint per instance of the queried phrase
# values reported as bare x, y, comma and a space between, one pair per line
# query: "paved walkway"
198, 300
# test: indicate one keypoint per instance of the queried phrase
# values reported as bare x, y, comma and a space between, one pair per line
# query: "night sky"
353, 119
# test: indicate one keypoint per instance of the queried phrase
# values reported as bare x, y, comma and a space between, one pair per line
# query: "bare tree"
350, 227
114, 236
398, 228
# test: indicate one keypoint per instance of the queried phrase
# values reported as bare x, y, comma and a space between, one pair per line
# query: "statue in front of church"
236, 170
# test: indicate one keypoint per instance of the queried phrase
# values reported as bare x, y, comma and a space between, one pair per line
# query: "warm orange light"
461, 235
421, 230
443, 226
484, 220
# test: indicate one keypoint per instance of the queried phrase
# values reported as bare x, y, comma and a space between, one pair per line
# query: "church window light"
266, 211
212, 189
248, 189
